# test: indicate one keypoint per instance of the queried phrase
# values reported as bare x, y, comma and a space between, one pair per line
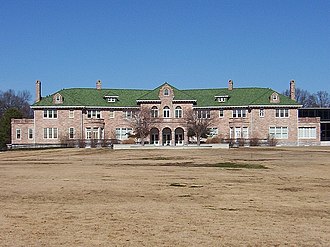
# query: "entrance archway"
167, 136
179, 136
154, 136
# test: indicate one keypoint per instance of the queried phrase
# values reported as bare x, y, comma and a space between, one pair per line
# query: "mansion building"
102, 114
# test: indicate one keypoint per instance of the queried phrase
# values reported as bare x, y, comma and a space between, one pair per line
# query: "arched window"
154, 112
166, 92
178, 112
166, 112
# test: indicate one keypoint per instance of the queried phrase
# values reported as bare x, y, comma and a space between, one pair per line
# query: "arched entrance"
154, 136
179, 136
167, 136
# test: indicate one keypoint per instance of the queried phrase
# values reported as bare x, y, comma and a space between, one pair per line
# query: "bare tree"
141, 122
306, 99
322, 99
198, 121
10, 99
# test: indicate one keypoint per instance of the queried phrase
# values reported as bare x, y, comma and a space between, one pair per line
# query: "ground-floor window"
50, 133
279, 132
307, 132
213, 132
123, 133
18, 134
71, 133
94, 133
239, 132
30, 134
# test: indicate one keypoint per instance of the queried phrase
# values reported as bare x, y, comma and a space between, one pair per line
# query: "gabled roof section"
178, 94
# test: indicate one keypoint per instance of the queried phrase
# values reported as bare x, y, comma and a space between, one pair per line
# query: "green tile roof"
90, 97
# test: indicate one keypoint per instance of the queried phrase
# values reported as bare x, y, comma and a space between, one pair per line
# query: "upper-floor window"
128, 114
262, 112
178, 112
93, 114
166, 112
166, 92
30, 134
239, 113
57, 98
154, 111
71, 113
50, 113
274, 98
282, 113
203, 114
18, 134
111, 114
221, 113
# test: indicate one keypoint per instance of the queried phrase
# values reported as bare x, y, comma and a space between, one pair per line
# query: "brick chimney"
292, 90
230, 85
98, 85
38, 91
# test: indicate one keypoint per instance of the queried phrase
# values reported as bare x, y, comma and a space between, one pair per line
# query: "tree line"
307, 99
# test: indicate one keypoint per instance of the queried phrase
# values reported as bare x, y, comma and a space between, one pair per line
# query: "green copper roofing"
90, 97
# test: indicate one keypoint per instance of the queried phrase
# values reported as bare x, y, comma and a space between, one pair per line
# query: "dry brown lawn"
101, 197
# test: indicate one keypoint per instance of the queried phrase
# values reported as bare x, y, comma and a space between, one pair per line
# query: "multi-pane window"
221, 113
71, 113
203, 114
50, 133
123, 133
50, 113
111, 114
178, 112
93, 114
30, 133
262, 112
166, 92
307, 132
166, 112
279, 132
71, 133
282, 113
18, 134
128, 114
239, 113
88, 133
239, 132
154, 111
213, 132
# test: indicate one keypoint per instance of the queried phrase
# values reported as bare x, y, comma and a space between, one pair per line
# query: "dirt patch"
101, 197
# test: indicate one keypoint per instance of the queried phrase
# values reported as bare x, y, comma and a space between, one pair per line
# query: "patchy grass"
239, 166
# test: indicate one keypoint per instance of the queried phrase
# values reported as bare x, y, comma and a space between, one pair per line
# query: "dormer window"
221, 98
274, 98
166, 92
111, 99
57, 99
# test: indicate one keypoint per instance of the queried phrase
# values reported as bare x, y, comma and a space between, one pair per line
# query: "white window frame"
221, 113
18, 134
50, 114
214, 131
178, 112
166, 92
307, 133
30, 133
111, 114
128, 114
203, 114
166, 112
239, 113
96, 114
261, 112
154, 112
281, 112
71, 113
50, 133
122, 133
71, 133
279, 132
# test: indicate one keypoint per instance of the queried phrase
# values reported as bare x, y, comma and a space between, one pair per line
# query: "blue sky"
141, 44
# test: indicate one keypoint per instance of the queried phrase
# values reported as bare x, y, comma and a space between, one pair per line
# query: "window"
128, 114
111, 100
93, 114
245, 132
50, 133
30, 134
221, 113
307, 132
282, 113
262, 112
71, 133
239, 113
71, 114
18, 134
123, 133
111, 114
88, 133
203, 114
50, 113
154, 111
166, 112
212, 132
96, 133
178, 112
278, 132
239, 132
166, 92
